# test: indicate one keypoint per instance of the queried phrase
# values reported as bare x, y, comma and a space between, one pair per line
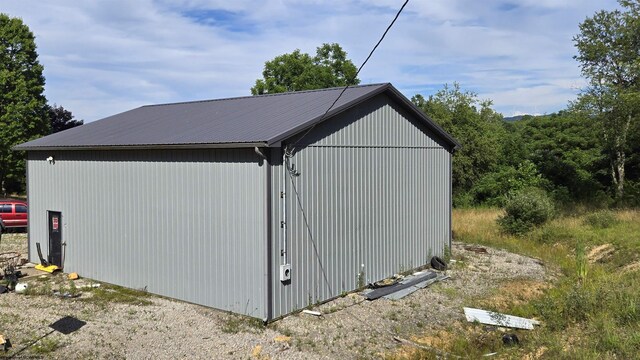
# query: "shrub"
526, 209
462, 200
601, 219
494, 188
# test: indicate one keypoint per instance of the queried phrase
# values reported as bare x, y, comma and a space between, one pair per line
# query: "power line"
290, 171
313, 242
290, 151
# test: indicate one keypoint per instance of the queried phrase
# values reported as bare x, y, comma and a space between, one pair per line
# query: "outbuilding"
257, 205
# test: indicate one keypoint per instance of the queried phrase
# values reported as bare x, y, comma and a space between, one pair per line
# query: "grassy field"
591, 308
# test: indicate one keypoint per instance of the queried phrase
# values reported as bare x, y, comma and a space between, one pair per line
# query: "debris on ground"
438, 264
44, 264
498, 319
510, 339
476, 249
21, 288
10, 276
410, 290
48, 269
73, 276
119, 325
398, 289
409, 281
310, 312
386, 282
5, 344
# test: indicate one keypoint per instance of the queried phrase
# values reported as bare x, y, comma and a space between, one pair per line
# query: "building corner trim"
269, 245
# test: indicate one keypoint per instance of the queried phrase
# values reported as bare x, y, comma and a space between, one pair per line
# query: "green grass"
7, 318
110, 294
45, 346
601, 219
593, 309
234, 324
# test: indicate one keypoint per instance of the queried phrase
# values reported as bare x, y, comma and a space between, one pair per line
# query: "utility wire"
313, 242
289, 152
382, 332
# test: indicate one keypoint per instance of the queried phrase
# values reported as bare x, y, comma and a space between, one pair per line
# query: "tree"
475, 125
565, 148
609, 55
61, 119
496, 186
300, 71
22, 103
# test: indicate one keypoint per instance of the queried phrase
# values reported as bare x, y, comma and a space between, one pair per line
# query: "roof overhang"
141, 147
275, 141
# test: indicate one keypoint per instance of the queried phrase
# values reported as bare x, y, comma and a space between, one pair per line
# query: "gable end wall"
374, 199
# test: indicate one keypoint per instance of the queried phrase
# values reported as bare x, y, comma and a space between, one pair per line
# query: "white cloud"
101, 58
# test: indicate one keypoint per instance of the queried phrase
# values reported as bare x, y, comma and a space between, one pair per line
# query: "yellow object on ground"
50, 269
73, 276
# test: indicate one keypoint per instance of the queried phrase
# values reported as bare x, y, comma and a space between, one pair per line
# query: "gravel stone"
350, 327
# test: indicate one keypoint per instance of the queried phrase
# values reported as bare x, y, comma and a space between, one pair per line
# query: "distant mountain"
520, 117
512, 118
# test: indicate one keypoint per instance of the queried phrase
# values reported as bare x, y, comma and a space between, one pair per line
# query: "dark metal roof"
234, 122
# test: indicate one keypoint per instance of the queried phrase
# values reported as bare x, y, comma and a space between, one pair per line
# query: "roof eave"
142, 146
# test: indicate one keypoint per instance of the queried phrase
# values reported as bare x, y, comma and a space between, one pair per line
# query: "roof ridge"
263, 95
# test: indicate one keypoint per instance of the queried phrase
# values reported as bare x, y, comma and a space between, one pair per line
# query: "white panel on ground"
494, 318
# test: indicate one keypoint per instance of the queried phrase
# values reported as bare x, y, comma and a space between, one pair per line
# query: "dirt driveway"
122, 323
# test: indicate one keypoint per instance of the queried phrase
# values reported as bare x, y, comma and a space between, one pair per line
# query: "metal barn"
255, 205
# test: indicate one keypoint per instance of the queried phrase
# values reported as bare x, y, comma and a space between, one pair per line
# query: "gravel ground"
126, 324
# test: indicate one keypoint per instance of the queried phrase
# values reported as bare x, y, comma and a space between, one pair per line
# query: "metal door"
55, 238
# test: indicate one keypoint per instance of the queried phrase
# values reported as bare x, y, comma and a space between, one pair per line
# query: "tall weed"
601, 219
581, 263
593, 309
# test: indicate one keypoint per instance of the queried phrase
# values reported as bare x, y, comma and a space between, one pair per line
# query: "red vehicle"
13, 214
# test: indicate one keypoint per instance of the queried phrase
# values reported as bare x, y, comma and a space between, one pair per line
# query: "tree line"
588, 153
25, 113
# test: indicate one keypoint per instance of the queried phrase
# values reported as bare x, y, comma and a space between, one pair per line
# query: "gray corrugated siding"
375, 189
187, 224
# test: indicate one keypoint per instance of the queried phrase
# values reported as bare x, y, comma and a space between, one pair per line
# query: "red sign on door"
54, 221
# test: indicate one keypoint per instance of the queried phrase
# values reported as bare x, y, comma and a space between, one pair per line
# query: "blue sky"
105, 57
